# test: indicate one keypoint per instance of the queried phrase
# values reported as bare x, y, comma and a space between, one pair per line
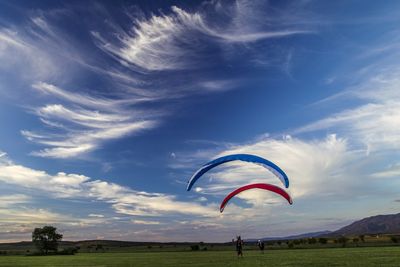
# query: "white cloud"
123, 200
87, 123
131, 202
79, 120
145, 222
84, 100
170, 42
96, 215
374, 123
18, 54
312, 168
391, 172
10, 200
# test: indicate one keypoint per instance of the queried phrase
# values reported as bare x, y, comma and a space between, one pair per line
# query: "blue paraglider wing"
241, 157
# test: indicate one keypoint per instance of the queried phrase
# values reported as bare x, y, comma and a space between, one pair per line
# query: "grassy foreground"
384, 256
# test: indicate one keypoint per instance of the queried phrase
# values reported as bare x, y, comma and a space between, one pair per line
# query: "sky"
107, 109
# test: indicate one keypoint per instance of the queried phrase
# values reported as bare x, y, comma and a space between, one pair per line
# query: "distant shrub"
312, 241
204, 249
394, 239
343, 240
297, 242
68, 251
279, 242
149, 247
99, 247
290, 245
323, 240
195, 247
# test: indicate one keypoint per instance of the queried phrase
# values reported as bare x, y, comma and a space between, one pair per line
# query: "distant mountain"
380, 224
300, 236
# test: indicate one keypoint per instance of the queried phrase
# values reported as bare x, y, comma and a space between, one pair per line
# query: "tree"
343, 240
46, 239
195, 247
323, 240
99, 247
312, 241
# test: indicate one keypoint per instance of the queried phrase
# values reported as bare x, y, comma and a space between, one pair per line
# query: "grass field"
373, 256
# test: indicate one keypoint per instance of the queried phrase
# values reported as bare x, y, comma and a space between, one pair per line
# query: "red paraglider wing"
268, 187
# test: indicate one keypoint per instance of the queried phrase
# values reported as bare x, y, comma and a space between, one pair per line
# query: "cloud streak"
171, 41
123, 200
162, 57
84, 125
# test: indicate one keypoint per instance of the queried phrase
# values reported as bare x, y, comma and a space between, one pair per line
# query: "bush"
394, 239
323, 240
68, 251
343, 240
195, 247
290, 245
312, 241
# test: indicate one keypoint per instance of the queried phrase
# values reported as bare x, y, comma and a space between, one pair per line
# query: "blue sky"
107, 110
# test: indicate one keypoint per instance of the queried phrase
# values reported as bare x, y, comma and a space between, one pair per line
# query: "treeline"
342, 241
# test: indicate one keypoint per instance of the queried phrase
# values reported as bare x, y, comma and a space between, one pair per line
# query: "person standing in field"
239, 246
260, 245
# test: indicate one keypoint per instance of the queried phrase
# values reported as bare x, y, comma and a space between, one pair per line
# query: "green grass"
378, 256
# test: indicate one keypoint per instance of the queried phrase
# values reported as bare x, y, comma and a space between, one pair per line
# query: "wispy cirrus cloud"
135, 89
176, 40
85, 124
145, 222
375, 122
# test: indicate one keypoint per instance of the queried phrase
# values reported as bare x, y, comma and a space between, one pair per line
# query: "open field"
372, 256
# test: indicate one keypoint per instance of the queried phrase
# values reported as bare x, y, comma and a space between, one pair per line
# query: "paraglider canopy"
268, 187
278, 172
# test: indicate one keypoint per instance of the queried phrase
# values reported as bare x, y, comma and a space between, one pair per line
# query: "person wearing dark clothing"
260, 245
239, 246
